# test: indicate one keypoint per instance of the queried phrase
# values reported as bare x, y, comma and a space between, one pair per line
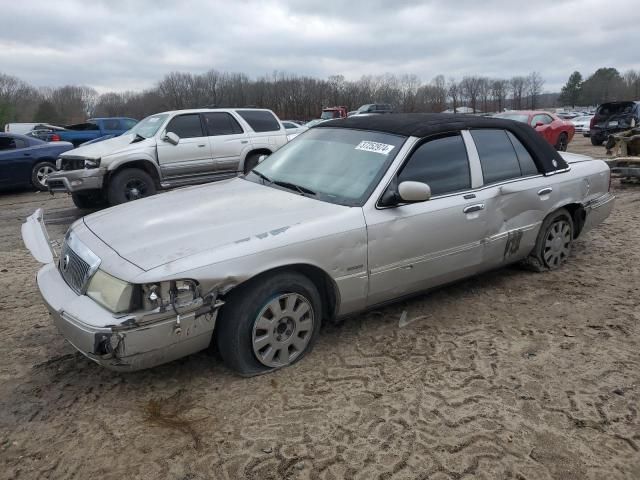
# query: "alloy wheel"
42, 173
282, 330
557, 244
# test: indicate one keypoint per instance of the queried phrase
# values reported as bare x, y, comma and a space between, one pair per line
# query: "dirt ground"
510, 375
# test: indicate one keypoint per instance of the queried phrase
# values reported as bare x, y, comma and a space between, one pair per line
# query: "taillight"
609, 189
55, 138
592, 122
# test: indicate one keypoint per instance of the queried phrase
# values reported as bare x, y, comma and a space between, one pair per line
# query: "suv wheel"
39, 175
596, 140
270, 323
130, 184
250, 162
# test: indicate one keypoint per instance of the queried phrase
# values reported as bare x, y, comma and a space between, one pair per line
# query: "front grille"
74, 270
72, 164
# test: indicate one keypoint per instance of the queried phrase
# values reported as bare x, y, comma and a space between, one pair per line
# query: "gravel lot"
508, 375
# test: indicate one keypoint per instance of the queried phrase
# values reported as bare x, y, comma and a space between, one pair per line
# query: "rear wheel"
596, 141
270, 323
563, 142
251, 161
553, 244
39, 175
130, 184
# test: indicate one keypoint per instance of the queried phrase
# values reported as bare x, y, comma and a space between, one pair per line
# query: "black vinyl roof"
428, 124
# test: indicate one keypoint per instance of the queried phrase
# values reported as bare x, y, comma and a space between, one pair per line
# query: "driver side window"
186, 126
441, 163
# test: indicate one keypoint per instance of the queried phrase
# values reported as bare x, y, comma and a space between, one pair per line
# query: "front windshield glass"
335, 165
148, 127
518, 117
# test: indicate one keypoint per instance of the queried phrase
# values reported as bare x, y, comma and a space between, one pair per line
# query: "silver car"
351, 214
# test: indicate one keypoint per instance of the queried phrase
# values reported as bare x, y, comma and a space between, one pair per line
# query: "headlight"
91, 162
111, 292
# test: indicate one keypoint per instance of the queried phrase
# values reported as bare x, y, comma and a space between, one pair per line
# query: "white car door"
416, 246
227, 139
192, 154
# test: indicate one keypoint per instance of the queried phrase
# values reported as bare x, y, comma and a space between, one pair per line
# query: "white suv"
165, 150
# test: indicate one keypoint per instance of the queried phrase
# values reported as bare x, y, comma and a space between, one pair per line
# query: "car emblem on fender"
65, 263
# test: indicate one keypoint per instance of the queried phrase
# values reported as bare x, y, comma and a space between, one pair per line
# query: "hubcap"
557, 244
43, 173
282, 330
135, 189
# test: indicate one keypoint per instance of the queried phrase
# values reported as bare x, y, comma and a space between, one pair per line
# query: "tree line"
296, 96
604, 85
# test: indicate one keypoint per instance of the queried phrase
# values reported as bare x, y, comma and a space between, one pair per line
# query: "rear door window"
441, 163
260, 120
527, 165
186, 126
497, 155
221, 123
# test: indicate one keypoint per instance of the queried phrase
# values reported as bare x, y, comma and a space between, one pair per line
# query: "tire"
596, 141
39, 173
128, 185
553, 245
88, 200
255, 335
563, 142
251, 161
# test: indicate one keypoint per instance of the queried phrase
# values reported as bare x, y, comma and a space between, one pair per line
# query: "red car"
553, 129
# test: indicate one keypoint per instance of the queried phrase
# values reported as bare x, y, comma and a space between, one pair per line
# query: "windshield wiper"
262, 176
293, 186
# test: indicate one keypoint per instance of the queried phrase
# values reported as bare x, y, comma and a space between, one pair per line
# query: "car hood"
223, 216
109, 147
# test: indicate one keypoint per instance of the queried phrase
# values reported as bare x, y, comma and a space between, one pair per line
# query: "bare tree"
470, 87
518, 87
499, 89
534, 85
453, 90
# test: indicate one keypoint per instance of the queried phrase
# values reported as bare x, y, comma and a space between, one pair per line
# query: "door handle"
244, 141
545, 191
202, 145
473, 208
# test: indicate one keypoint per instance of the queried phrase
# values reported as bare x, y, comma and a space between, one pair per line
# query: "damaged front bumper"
71, 181
127, 342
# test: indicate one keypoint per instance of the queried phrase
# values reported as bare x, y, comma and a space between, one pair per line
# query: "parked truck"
91, 130
329, 113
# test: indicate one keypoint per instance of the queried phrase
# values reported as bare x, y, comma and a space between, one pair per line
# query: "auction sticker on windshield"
375, 147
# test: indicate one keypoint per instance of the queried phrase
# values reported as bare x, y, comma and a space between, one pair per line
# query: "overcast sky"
131, 44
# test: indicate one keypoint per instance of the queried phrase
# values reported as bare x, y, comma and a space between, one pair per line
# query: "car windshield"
518, 117
148, 127
334, 165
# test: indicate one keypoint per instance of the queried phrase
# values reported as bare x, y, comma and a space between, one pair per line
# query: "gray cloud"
122, 45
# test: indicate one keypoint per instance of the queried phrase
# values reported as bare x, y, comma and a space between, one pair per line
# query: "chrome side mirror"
172, 138
413, 192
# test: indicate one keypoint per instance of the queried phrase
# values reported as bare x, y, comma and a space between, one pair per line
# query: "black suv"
613, 117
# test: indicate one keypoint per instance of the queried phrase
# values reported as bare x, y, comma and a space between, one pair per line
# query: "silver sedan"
351, 214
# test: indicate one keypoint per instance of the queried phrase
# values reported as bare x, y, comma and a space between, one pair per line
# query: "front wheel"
39, 175
563, 142
130, 184
270, 323
596, 141
553, 244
